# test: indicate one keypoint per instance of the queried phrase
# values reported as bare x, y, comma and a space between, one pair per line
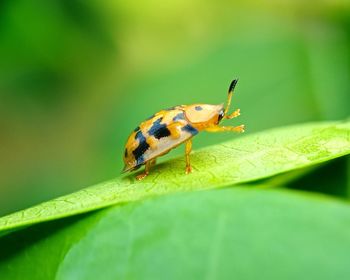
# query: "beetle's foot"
239, 129
242, 128
141, 176
235, 114
188, 169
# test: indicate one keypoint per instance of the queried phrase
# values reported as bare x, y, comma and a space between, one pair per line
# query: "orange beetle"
171, 127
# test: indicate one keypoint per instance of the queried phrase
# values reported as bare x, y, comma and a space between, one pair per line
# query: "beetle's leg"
188, 151
239, 128
153, 162
233, 115
230, 93
144, 174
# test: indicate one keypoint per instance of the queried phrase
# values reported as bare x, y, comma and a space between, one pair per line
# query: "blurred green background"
77, 76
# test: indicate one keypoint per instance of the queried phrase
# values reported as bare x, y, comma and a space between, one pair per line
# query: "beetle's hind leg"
153, 162
188, 151
143, 175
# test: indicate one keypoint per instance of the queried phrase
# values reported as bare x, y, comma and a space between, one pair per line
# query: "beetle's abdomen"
156, 136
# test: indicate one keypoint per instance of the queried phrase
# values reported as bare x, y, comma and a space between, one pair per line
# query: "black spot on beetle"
141, 148
159, 130
140, 160
198, 108
137, 129
190, 129
126, 153
179, 116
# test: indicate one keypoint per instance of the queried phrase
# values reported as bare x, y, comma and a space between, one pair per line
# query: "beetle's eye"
221, 115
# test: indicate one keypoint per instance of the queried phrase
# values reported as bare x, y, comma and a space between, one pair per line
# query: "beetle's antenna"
230, 93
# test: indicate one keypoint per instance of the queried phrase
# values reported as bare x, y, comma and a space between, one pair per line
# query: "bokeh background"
77, 76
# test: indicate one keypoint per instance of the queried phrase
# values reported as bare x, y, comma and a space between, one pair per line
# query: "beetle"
171, 127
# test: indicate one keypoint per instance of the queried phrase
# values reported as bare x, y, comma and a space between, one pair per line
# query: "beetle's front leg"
145, 174
239, 128
188, 151
233, 114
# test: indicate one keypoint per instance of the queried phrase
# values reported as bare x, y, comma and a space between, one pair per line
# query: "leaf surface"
243, 159
230, 233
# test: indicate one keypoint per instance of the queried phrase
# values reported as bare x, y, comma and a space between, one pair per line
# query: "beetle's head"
204, 115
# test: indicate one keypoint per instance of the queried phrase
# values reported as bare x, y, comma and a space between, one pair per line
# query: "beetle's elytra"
171, 127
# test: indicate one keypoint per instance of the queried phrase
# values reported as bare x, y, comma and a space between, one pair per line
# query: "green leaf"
348, 177
235, 233
241, 160
329, 178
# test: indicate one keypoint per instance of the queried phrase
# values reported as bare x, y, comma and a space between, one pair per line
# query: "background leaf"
70, 97
330, 178
240, 233
244, 159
